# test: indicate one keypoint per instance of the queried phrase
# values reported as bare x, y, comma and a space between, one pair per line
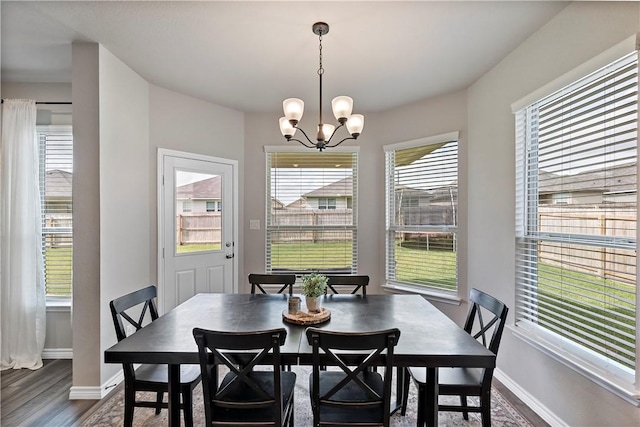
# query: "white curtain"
22, 292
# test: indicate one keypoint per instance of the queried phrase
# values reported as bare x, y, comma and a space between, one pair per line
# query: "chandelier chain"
320, 70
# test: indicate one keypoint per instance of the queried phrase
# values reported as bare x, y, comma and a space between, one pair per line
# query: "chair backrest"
285, 280
485, 322
256, 348
487, 330
353, 283
143, 303
372, 348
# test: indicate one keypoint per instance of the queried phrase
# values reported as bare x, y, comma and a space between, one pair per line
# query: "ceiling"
249, 56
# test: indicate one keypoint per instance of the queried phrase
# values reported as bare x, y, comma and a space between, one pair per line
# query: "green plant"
314, 285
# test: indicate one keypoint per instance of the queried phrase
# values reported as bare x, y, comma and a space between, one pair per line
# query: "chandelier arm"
333, 134
301, 142
335, 145
313, 145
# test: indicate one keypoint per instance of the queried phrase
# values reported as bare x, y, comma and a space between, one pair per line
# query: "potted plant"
313, 287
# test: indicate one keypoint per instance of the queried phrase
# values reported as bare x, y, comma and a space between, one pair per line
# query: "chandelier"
341, 106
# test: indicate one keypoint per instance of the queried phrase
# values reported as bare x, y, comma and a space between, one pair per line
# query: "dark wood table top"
428, 337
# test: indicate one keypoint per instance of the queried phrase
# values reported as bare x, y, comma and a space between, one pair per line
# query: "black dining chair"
283, 280
147, 377
347, 283
245, 397
354, 394
485, 322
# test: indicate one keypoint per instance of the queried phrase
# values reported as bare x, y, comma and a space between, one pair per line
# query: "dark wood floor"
41, 398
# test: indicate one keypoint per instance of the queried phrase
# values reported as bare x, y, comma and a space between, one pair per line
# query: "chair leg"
463, 403
422, 405
485, 409
187, 408
129, 402
405, 378
159, 397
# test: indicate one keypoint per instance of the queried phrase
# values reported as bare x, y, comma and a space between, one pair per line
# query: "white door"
197, 226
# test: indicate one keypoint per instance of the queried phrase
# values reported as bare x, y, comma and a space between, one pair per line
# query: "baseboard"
57, 353
93, 392
529, 400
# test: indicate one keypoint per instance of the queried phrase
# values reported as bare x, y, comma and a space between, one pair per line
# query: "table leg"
431, 415
174, 395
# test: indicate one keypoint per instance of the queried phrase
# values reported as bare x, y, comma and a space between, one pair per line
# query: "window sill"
63, 306
620, 385
429, 294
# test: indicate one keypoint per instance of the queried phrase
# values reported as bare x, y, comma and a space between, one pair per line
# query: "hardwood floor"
41, 398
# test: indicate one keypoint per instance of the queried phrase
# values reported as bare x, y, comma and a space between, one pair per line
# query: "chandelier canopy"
341, 106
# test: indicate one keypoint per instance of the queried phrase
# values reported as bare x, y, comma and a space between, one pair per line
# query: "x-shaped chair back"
353, 282
487, 330
216, 348
371, 349
285, 280
123, 308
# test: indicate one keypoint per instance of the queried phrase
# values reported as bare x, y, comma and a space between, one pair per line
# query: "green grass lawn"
198, 248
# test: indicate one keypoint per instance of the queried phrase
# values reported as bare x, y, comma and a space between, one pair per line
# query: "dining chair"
465, 382
147, 377
354, 394
245, 397
284, 280
352, 283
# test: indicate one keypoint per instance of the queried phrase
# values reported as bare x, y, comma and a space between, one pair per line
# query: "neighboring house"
276, 204
337, 195
572, 189
201, 196
57, 194
301, 203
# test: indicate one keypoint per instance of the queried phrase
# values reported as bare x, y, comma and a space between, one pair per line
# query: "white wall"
125, 235
580, 32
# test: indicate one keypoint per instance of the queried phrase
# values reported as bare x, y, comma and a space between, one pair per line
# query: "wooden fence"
198, 228
598, 221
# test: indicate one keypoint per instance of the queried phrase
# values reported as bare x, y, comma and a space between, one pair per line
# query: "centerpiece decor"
313, 287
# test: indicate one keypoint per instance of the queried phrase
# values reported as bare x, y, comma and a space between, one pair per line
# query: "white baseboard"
57, 353
94, 392
529, 400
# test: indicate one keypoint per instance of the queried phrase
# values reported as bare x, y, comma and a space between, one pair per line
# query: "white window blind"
312, 212
56, 172
576, 215
422, 211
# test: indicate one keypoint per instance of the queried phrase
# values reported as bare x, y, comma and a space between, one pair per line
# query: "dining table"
428, 338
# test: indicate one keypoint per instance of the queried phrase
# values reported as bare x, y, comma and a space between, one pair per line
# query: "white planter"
313, 304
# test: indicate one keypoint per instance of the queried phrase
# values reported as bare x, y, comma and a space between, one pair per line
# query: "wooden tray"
306, 318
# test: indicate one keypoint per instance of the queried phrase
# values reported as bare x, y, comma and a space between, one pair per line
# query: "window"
186, 205
56, 172
305, 229
326, 203
211, 206
576, 216
422, 207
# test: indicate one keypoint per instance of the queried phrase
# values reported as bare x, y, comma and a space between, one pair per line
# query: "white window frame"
618, 381
395, 285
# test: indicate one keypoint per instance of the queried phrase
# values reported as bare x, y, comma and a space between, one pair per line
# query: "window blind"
56, 172
576, 213
312, 212
422, 211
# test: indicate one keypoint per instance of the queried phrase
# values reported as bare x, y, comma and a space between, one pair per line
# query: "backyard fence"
198, 228
606, 262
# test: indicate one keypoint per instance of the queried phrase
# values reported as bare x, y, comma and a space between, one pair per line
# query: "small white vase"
313, 304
